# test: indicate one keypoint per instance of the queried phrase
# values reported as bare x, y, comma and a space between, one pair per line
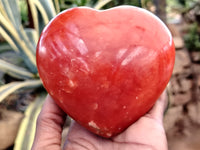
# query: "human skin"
147, 133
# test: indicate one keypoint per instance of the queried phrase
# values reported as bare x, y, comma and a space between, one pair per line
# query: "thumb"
158, 109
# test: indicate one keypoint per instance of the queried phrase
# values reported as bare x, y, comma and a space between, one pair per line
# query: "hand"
145, 134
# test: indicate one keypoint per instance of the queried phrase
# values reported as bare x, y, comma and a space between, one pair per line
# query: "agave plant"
22, 42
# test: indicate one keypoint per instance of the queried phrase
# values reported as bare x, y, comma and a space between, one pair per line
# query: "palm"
146, 133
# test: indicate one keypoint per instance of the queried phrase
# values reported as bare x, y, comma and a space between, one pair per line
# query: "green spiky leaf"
9, 88
27, 128
15, 71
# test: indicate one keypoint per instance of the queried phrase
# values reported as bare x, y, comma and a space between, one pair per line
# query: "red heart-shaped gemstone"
105, 68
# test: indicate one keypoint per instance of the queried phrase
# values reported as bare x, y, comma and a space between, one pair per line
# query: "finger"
79, 137
49, 126
148, 129
159, 108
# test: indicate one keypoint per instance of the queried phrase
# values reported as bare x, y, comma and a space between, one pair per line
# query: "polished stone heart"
105, 68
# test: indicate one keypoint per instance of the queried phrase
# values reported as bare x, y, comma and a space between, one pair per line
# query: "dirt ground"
182, 120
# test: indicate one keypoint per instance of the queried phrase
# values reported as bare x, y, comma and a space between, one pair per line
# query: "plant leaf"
48, 7
9, 88
15, 71
101, 3
32, 36
16, 34
12, 11
57, 6
8, 39
34, 15
27, 128
22, 44
5, 47
42, 12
